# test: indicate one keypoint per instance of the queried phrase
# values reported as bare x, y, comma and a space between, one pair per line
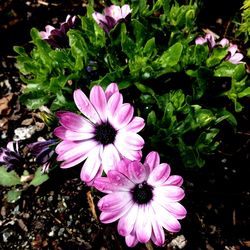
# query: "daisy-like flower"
112, 15
106, 133
44, 153
233, 56
57, 38
10, 156
144, 198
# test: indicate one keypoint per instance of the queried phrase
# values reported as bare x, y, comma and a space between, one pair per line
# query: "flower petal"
92, 165
135, 125
168, 193
152, 159
143, 228
114, 201
114, 105
130, 141
125, 10
137, 172
74, 150
164, 218
98, 99
158, 236
74, 122
84, 105
131, 240
159, 174
111, 89
110, 157
132, 155
109, 217
175, 180
69, 135
127, 222
123, 116
175, 208
119, 180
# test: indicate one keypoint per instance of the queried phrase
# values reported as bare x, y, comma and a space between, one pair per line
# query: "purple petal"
224, 42
73, 161
98, 99
174, 180
143, 228
123, 116
168, 193
137, 172
159, 174
111, 89
175, 208
92, 165
158, 236
113, 11
84, 105
110, 157
236, 58
131, 240
70, 150
200, 40
104, 185
114, 104
114, 201
68, 135
119, 180
132, 155
109, 217
127, 222
75, 122
99, 18
131, 141
135, 125
122, 166
152, 160
125, 10
164, 218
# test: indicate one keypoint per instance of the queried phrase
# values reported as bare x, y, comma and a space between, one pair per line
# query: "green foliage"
245, 23
151, 55
20, 183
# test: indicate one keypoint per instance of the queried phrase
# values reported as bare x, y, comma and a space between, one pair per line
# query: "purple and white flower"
144, 198
106, 133
57, 38
112, 16
44, 153
233, 56
10, 156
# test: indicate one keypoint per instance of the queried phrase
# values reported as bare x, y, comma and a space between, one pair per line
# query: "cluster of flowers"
143, 197
233, 56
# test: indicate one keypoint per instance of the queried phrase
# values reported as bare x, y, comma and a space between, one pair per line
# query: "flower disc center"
105, 133
142, 193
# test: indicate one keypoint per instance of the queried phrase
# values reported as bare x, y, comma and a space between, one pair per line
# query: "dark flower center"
105, 133
142, 193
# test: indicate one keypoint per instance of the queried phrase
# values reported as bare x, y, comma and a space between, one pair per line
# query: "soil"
61, 213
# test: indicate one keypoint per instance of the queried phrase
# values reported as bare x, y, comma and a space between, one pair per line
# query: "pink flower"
112, 15
106, 133
233, 56
144, 198
57, 38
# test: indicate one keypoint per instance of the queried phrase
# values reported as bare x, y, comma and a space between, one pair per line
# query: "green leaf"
225, 69
171, 56
149, 48
151, 119
218, 54
8, 179
13, 195
39, 177
245, 92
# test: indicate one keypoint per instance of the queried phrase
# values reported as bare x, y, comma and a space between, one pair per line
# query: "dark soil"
60, 215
